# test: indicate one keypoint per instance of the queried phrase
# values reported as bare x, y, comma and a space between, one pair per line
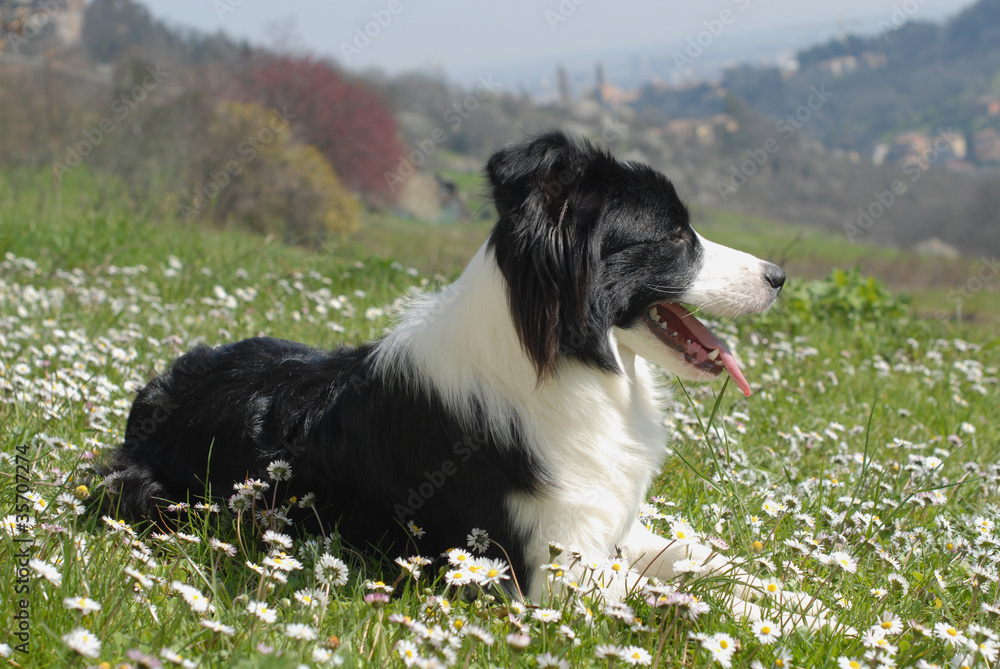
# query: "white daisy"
300, 632
83, 642
85, 604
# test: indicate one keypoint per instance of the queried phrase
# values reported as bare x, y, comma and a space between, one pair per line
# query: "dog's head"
590, 246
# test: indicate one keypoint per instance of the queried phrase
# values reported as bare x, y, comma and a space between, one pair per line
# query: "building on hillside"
69, 22
986, 146
704, 131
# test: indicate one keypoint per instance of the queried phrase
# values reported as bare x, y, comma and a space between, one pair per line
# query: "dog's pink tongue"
710, 341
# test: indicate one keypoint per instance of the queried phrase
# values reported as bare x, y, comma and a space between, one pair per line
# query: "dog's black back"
376, 455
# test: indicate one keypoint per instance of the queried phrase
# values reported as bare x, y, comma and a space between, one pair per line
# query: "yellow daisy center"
886, 624
771, 587
765, 630
723, 644
952, 631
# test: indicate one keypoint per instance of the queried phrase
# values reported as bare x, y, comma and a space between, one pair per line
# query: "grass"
864, 470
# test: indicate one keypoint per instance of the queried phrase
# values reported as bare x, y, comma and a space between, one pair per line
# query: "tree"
349, 124
112, 28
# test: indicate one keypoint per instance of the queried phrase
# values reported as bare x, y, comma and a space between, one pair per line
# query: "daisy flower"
766, 631
279, 470
871, 637
412, 528
46, 571
844, 560
620, 611
844, 662
143, 580
890, 623
480, 633
721, 646
636, 656
85, 604
262, 611
14, 527
411, 567
176, 658
458, 577
378, 586
283, 562
606, 651
900, 581
330, 570
478, 540
222, 547
688, 566
784, 659
300, 632
278, 539
547, 615
83, 642
682, 533
772, 587
616, 568
197, 601
239, 503
946, 632
989, 649
218, 627
458, 558
310, 597
68, 502
494, 571
408, 651
518, 641
550, 660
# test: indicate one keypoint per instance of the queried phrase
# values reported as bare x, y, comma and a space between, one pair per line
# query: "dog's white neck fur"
598, 434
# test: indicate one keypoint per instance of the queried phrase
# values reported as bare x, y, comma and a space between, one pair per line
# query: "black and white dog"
519, 400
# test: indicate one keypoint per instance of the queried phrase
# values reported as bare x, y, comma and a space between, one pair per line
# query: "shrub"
844, 298
254, 174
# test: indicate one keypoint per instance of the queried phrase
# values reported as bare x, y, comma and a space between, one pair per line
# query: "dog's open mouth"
680, 330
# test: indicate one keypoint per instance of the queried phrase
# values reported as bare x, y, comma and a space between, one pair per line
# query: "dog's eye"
679, 237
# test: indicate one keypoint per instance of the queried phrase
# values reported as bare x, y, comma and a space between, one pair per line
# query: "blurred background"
817, 134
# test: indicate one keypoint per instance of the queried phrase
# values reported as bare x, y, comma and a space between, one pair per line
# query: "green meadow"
864, 469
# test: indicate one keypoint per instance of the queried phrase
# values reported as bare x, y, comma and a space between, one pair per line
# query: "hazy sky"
459, 36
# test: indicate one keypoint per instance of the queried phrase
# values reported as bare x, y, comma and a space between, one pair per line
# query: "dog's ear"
548, 194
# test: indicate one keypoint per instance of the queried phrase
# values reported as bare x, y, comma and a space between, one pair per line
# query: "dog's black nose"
774, 275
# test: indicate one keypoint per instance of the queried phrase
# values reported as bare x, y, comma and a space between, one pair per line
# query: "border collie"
520, 399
